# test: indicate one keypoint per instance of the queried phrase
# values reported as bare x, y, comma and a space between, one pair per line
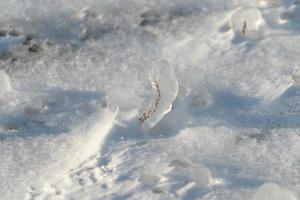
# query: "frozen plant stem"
147, 114
244, 28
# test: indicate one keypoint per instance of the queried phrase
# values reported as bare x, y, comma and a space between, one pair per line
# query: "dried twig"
147, 114
244, 28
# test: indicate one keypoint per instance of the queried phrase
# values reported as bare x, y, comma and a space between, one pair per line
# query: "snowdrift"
56, 132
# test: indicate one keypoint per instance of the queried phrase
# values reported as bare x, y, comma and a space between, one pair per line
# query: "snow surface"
217, 79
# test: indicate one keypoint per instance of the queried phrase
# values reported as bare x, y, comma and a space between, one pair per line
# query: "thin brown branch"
244, 28
148, 113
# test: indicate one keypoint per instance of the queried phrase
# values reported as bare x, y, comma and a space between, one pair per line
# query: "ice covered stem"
147, 114
4, 83
244, 28
164, 82
247, 22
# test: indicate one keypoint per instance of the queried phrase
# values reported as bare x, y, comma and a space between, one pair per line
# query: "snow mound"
56, 132
187, 171
272, 191
221, 121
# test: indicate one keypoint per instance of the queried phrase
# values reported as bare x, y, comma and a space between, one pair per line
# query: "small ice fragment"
201, 98
186, 171
35, 107
4, 83
149, 180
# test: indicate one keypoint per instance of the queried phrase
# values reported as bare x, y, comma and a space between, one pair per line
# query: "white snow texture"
149, 99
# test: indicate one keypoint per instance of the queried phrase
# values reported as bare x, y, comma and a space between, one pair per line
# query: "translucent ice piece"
164, 82
247, 21
4, 83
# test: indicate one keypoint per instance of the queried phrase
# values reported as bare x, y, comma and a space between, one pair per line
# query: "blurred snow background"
77, 75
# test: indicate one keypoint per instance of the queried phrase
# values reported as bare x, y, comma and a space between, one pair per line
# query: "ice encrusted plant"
148, 113
165, 85
244, 28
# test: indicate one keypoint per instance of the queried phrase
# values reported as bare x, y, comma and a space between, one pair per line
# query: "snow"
151, 99
273, 191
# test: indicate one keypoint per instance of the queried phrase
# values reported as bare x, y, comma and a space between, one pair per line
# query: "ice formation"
165, 85
4, 83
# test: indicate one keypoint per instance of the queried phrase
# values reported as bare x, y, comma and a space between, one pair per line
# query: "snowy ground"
148, 99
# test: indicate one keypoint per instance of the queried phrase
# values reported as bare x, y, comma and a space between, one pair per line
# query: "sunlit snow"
148, 99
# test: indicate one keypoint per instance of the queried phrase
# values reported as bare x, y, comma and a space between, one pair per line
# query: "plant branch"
152, 110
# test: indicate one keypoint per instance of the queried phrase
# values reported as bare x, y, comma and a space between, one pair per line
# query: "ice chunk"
201, 98
35, 107
164, 82
247, 21
148, 179
186, 171
4, 83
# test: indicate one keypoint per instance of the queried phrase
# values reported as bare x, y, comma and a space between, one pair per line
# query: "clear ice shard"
165, 85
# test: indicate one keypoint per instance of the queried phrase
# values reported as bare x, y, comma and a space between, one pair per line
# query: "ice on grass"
247, 22
165, 86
